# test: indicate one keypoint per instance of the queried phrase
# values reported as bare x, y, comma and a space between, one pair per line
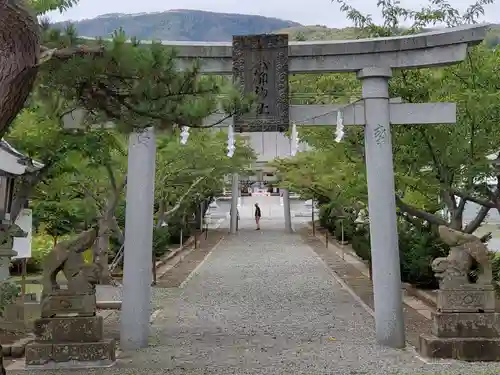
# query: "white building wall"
270, 145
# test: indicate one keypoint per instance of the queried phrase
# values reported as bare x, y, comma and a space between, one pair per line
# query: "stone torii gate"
373, 60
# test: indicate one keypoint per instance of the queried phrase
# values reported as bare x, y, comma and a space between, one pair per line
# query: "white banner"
23, 244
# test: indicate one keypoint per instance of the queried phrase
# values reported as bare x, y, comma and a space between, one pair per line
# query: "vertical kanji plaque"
260, 66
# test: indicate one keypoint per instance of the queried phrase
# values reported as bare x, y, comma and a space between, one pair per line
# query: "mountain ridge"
206, 26
178, 24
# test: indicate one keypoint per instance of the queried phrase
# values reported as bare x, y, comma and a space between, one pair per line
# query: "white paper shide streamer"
339, 131
230, 142
294, 140
184, 135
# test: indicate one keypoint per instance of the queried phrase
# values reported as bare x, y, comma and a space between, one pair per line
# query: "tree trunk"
478, 220
197, 217
19, 52
107, 224
101, 250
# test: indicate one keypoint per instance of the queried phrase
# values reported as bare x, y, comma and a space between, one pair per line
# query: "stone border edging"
165, 258
173, 258
346, 249
179, 254
418, 300
426, 297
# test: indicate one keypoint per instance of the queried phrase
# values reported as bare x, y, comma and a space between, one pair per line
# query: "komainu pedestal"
69, 334
70, 341
465, 325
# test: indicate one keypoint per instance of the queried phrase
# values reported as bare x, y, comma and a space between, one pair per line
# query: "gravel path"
264, 300
264, 303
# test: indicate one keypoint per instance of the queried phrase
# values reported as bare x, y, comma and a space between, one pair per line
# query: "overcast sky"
310, 12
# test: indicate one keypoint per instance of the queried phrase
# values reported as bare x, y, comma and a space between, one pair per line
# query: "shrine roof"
15, 163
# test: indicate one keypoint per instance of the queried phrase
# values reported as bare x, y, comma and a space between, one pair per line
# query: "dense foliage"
68, 199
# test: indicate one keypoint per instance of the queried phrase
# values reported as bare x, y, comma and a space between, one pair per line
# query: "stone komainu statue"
466, 251
67, 257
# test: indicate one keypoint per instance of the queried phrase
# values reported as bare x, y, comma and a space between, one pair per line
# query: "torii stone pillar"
235, 193
384, 245
137, 272
287, 211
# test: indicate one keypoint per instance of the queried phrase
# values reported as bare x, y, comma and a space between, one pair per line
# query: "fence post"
154, 269
312, 216
342, 245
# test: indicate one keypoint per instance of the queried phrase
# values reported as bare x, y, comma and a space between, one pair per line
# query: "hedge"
417, 247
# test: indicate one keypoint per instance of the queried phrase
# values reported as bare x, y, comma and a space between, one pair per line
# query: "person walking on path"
257, 215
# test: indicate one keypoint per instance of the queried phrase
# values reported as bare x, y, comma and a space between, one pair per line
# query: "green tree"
80, 183
436, 164
194, 172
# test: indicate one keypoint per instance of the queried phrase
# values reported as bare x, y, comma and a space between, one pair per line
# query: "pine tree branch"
228, 116
64, 54
413, 220
179, 121
87, 192
111, 176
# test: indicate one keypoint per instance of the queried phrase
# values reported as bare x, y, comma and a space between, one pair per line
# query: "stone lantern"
13, 166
